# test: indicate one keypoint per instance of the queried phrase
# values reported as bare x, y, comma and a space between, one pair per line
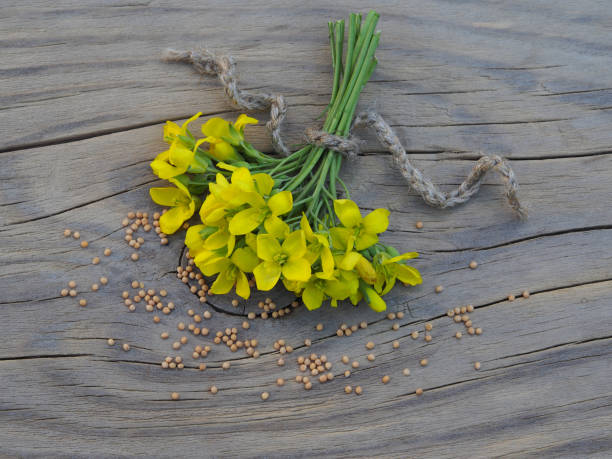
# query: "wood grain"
83, 98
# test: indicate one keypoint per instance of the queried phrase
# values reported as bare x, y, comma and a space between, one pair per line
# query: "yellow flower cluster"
249, 228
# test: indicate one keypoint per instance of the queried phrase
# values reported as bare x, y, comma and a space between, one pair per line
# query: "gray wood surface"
83, 96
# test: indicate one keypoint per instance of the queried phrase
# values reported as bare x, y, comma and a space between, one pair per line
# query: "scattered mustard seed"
358, 390
371, 357
95, 260
348, 389
419, 225
164, 335
213, 389
265, 396
369, 345
67, 233
72, 284
64, 292
319, 327
458, 335
111, 342
419, 391
126, 347
95, 287
473, 264
427, 338
424, 362
477, 366
511, 297
84, 244
103, 280
225, 365
107, 252
396, 344
428, 326
439, 289
525, 294
406, 372
83, 302
134, 256
175, 396
414, 334
470, 308
72, 293
386, 379
76, 235
479, 331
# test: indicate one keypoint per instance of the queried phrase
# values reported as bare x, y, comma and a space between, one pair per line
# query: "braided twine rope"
224, 68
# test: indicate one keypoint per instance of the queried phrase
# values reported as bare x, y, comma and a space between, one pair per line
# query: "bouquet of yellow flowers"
281, 218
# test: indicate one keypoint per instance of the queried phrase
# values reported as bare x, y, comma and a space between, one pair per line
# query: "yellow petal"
312, 296
408, 275
297, 269
217, 240
337, 290
349, 260
295, 245
376, 221
366, 270
190, 120
242, 121
403, 256
245, 221
223, 284
305, 225
168, 196
172, 220
242, 285
347, 212
340, 237
365, 240
223, 151
251, 241
216, 127
281, 203
327, 262
181, 156
245, 259
181, 187
165, 170
267, 275
214, 265
242, 178
171, 130
267, 247
227, 167
265, 183
193, 239
276, 227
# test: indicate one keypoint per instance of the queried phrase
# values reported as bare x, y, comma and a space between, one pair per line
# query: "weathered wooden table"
84, 95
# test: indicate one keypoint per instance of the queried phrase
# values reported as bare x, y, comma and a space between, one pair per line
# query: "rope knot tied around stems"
224, 67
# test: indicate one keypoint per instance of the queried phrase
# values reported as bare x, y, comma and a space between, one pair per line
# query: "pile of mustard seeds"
310, 368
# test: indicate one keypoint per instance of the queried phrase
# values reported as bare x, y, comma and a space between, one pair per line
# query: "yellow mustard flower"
318, 248
172, 130
172, 162
317, 290
231, 271
182, 205
224, 136
259, 210
389, 269
365, 229
286, 259
202, 237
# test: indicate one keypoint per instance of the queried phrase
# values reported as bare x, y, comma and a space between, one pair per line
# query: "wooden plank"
84, 95
510, 79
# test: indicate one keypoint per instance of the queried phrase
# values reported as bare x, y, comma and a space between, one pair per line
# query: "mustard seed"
103, 280
348, 389
307, 342
95, 287
246, 325
345, 359
202, 367
175, 396
225, 365
83, 302
358, 390
414, 334
111, 342
457, 319
355, 364
439, 289
424, 362
107, 252
473, 264
176, 345
395, 326
347, 373
72, 284
207, 314
131, 308
406, 372
525, 294
319, 327
213, 389
470, 308
370, 345
419, 225
427, 338
477, 366
400, 315
458, 335
72, 293
308, 386
363, 325
280, 362
396, 344
156, 319
479, 331
371, 357
280, 382
84, 244
134, 256
511, 297
386, 379
76, 235
126, 347
428, 326
391, 316
235, 303
67, 233
64, 292
419, 391
164, 335
471, 330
